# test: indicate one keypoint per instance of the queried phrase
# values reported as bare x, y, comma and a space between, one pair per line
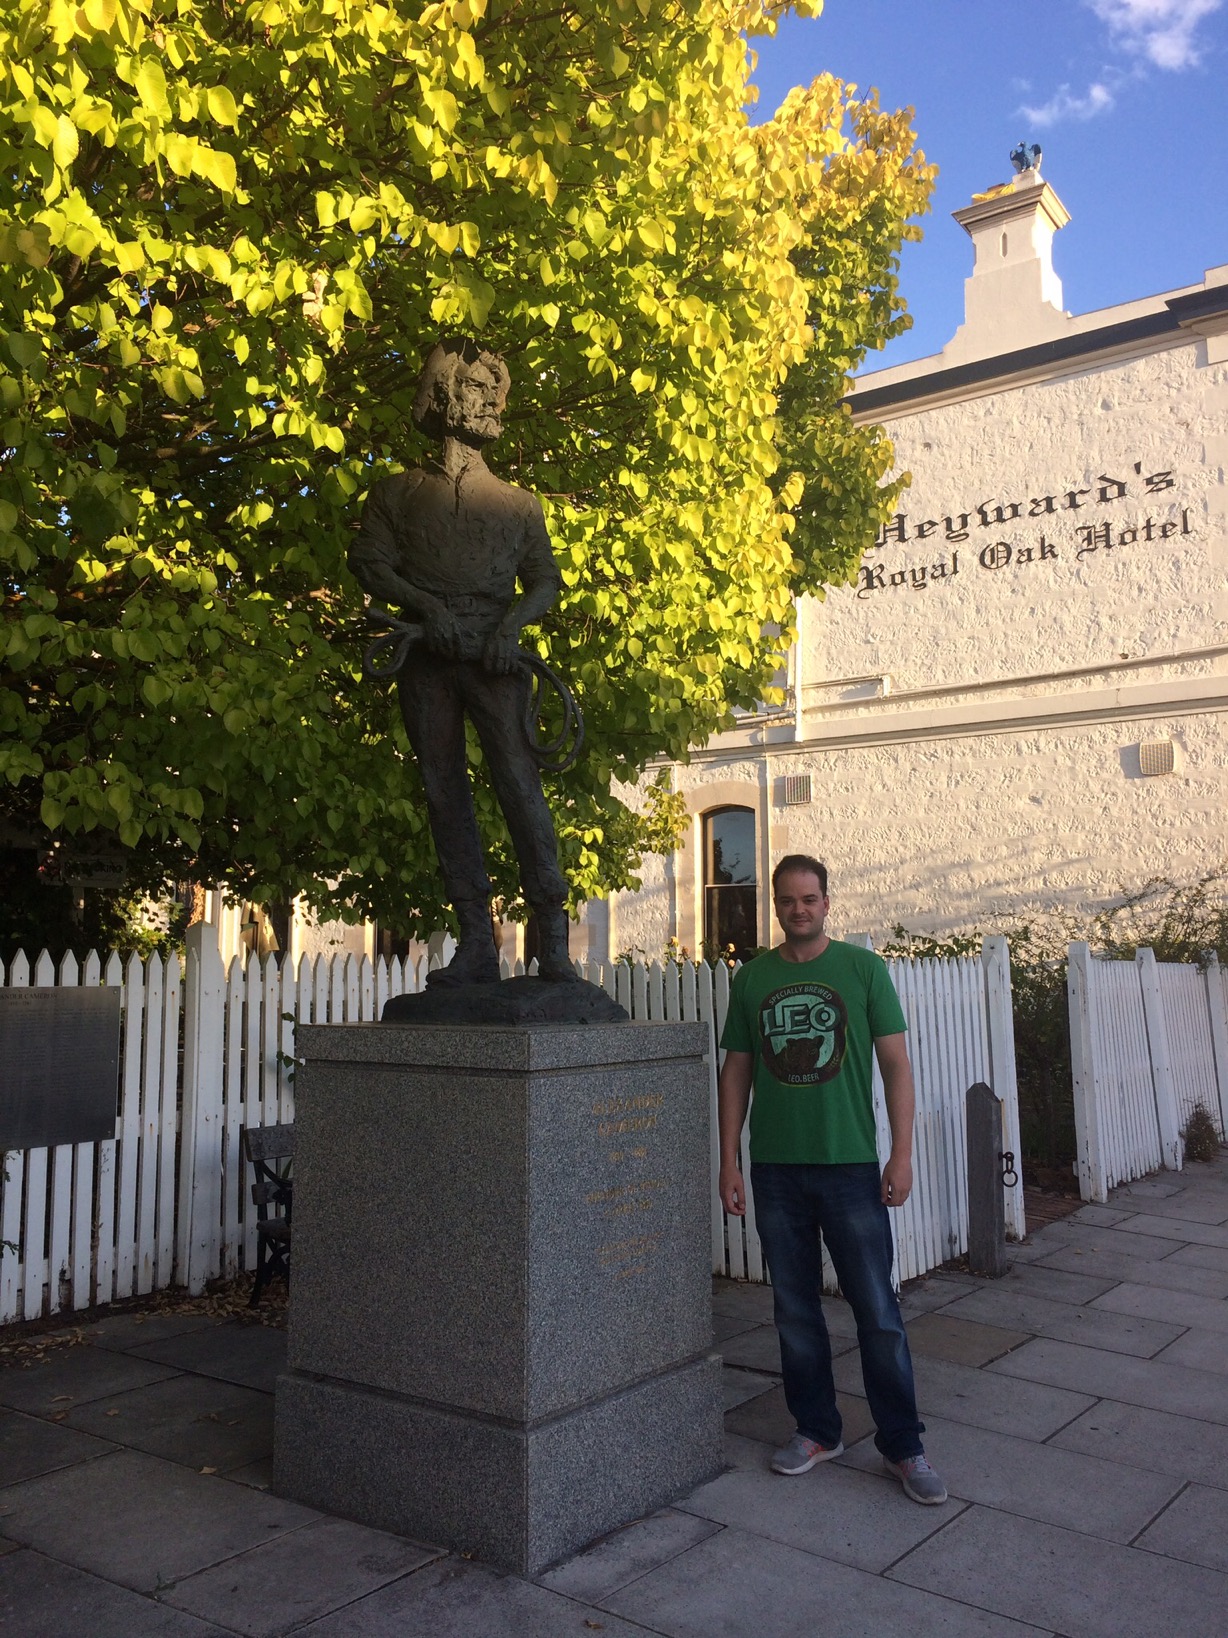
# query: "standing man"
802, 1021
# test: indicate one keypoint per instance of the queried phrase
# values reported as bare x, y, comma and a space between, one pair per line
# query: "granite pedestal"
500, 1324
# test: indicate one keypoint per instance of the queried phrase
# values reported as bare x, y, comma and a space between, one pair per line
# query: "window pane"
730, 853
731, 917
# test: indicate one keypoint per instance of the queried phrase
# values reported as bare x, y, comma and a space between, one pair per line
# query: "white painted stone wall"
1046, 607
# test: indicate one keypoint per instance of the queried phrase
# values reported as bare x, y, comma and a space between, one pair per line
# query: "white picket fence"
209, 1050
1149, 1044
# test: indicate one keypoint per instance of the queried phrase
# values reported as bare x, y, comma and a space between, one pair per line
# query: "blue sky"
1128, 99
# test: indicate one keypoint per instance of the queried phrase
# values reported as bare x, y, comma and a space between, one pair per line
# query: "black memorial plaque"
59, 1066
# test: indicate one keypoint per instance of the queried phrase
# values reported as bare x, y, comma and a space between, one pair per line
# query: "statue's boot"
476, 960
553, 959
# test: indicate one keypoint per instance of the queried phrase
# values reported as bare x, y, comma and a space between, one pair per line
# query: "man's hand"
897, 1180
733, 1191
441, 633
502, 652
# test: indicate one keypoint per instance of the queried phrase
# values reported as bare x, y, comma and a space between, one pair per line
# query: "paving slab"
1184, 1308
767, 1418
1056, 1284
724, 1327
251, 1355
41, 1598
935, 1291
1067, 1582
142, 1521
258, 1474
840, 1513
757, 1350
1005, 1304
299, 1577
1178, 1388
73, 1376
1023, 1251
1201, 1257
1100, 1216
1160, 1187
454, 1598
1037, 1481
629, 1553
197, 1420
1194, 1529
1175, 1228
1191, 1208
123, 1331
958, 1392
7, 1546
29, 1446
740, 1299
1111, 1267
752, 1453
1151, 1439
739, 1386
943, 1336
737, 1583
1204, 1350
1084, 1237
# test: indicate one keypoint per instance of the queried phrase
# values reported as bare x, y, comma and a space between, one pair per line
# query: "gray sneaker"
921, 1483
801, 1454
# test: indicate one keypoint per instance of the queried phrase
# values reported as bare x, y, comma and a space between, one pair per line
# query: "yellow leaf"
221, 104
129, 257
217, 167
180, 154
45, 125
66, 143
100, 14
365, 214
151, 88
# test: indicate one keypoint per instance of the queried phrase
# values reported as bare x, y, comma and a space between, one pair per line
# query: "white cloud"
1163, 32
1155, 33
1063, 104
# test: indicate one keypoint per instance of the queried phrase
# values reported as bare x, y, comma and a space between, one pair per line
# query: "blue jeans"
792, 1205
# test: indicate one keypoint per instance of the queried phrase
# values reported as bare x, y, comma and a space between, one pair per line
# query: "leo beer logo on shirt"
803, 1028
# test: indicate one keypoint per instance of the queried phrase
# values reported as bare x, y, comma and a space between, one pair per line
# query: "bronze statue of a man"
447, 543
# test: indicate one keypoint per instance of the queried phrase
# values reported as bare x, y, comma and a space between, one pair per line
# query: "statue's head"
461, 392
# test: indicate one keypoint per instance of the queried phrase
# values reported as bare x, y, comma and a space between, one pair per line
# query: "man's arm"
733, 1100
892, 1054
541, 581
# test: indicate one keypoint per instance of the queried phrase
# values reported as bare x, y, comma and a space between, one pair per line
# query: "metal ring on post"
1009, 1175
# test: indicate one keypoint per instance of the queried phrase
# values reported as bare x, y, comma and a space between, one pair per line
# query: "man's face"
473, 405
801, 905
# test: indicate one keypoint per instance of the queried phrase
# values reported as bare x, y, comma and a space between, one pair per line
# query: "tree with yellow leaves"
231, 229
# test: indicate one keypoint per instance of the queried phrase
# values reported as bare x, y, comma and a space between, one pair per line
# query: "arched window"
731, 895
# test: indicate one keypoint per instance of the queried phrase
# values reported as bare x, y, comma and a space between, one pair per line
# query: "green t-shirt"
811, 1026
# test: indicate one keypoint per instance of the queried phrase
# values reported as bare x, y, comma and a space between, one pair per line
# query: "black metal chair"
270, 1149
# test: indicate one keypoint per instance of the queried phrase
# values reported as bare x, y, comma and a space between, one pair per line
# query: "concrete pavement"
1078, 1410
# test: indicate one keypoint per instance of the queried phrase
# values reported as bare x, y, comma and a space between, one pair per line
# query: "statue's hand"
502, 653
441, 634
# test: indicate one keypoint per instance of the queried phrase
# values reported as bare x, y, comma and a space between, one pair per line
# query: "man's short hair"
447, 360
801, 861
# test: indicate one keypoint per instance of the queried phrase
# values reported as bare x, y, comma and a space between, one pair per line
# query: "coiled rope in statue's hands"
384, 657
